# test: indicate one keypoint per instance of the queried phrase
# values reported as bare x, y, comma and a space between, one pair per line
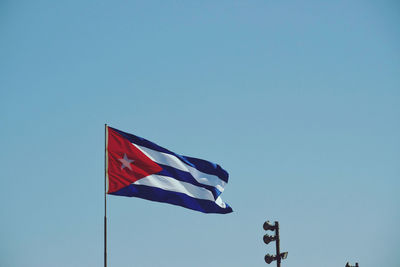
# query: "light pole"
267, 239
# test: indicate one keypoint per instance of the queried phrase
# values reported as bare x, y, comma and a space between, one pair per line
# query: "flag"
136, 167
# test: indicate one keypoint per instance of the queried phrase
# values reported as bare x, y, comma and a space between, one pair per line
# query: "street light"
268, 238
348, 265
269, 258
268, 226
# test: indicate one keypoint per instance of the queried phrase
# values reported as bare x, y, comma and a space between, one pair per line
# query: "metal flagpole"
105, 195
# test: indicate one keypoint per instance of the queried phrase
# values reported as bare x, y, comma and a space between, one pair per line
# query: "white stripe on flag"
171, 184
220, 203
173, 161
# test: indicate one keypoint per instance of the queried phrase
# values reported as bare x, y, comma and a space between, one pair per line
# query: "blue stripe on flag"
200, 164
175, 198
208, 167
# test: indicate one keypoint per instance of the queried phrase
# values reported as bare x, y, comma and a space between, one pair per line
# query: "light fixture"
269, 258
268, 238
268, 226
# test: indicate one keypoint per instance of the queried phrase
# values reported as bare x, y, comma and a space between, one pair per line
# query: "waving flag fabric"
136, 167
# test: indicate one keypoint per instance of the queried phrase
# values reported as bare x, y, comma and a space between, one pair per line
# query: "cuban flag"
136, 167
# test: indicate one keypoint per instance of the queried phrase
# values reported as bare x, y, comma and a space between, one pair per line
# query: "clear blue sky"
298, 100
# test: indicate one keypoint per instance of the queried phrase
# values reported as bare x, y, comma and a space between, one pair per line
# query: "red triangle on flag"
126, 163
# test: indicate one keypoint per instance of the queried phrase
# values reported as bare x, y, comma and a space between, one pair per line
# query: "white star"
126, 162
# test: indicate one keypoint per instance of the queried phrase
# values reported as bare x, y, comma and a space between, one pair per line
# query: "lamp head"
269, 258
268, 226
268, 238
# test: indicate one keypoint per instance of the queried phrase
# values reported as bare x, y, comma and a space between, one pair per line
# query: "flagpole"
105, 195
